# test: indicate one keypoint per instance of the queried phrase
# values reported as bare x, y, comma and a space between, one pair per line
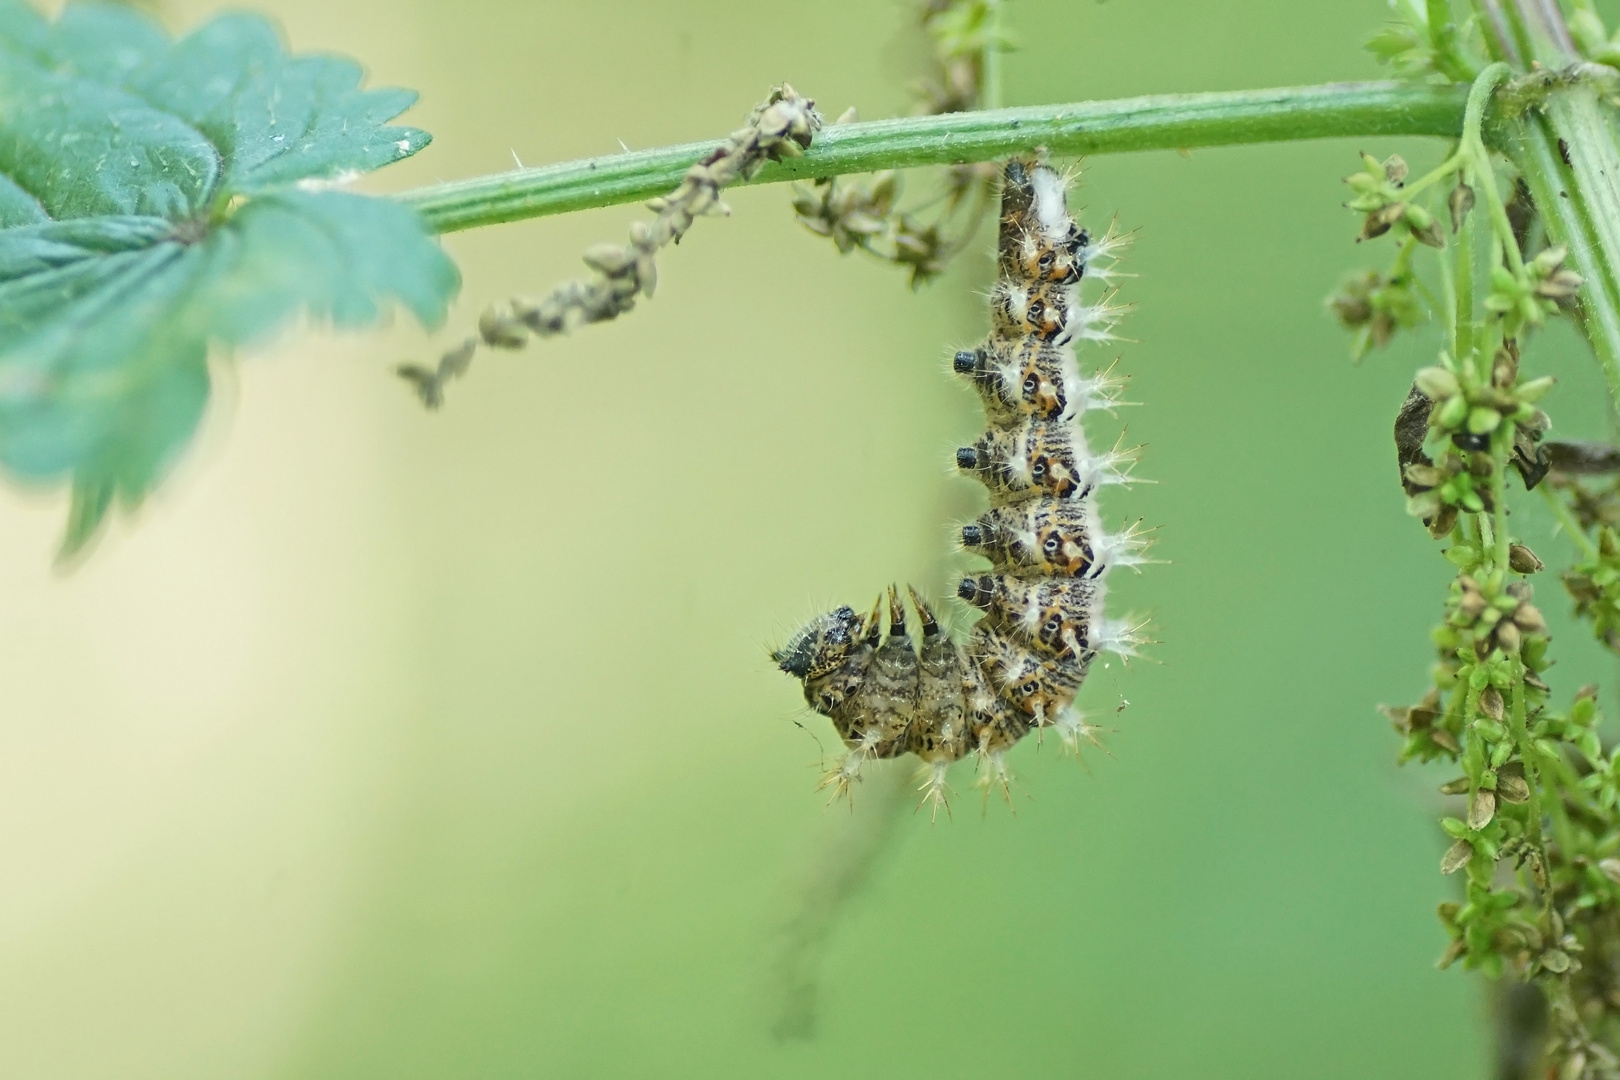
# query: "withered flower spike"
781, 127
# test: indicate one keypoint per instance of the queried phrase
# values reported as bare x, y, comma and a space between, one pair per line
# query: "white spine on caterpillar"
1043, 594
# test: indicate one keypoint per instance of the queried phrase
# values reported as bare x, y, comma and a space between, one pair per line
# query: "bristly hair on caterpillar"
1041, 600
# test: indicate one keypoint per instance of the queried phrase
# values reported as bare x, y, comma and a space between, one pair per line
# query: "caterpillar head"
822, 645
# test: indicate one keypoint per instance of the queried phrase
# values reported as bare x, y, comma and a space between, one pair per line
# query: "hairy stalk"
1568, 150
1163, 122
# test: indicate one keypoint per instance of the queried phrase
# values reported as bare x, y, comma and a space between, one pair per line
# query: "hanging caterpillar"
1042, 598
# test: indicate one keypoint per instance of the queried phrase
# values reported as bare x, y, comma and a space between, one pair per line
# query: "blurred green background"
386, 744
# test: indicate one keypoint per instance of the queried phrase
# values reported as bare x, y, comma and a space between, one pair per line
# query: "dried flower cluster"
782, 127
862, 211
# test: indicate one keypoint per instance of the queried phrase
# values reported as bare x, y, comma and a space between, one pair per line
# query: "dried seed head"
1459, 202
1456, 857
1524, 561
1481, 809
1512, 788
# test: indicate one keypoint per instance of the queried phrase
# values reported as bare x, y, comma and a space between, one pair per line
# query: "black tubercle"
976, 590
966, 362
972, 536
967, 458
798, 656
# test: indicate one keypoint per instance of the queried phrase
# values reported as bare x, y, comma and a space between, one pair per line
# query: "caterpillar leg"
995, 776
935, 791
1074, 725
845, 772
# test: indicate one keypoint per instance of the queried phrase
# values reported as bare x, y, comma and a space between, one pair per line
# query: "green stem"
1465, 296
1437, 174
990, 65
1528, 754
1165, 122
1479, 96
1503, 450
1568, 151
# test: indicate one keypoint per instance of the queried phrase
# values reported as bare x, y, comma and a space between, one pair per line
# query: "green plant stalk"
1165, 122
992, 80
1579, 202
1528, 754
1463, 330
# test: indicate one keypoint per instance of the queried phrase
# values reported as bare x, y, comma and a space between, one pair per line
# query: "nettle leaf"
161, 198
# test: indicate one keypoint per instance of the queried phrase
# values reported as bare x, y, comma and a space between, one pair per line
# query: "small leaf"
154, 206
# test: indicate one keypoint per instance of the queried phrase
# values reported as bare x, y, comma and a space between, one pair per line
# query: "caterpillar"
888, 693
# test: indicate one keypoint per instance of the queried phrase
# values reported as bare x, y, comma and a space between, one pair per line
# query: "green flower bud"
1424, 228
1423, 505
1484, 420
1423, 476
1437, 383
1451, 413
1535, 389
1462, 555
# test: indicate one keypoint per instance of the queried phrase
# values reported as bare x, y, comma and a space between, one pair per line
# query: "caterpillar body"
888, 694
